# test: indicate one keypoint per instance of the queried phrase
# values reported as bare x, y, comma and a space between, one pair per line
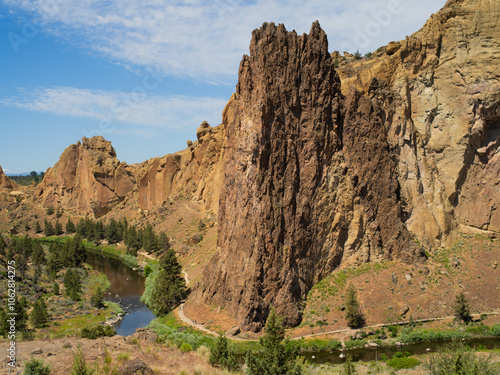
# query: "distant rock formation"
88, 178
195, 172
6, 183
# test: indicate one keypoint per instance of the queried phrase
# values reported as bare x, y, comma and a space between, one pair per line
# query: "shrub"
495, 330
222, 354
404, 362
36, 367
147, 271
79, 365
50, 210
459, 359
461, 308
96, 331
185, 348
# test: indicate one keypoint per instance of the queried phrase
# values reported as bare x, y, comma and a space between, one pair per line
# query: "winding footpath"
352, 331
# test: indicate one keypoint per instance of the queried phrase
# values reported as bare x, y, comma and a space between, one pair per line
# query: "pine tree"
223, 354
170, 286
132, 240
37, 254
39, 315
3, 245
38, 229
275, 356
76, 252
113, 232
97, 299
70, 227
55, 289
461, 308
73, 284
48, 228
353, 313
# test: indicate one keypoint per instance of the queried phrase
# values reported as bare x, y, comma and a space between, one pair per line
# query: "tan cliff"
316, 168
5, 182
195, 172
88, 178
445, 80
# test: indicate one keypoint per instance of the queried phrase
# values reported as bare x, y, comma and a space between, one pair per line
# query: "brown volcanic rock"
88, 178
5, 182
444, 118
195, 172
295, 202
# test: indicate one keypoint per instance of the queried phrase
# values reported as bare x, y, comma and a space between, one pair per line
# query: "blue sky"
145, 74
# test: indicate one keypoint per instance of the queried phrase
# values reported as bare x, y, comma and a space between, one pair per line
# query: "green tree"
132, 240
38, 228
21, 317
353, 313
223, 355
58, 228
55, 289
170, 287
39, 315
37, 254
70, 226
48, 228
461, 308
113, 232
34, 175
275, 356
76, 253
50, 210
97, 299
73, 284
3, 245
59, 212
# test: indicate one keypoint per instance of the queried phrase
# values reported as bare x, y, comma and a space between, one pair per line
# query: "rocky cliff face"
5, 183
444, 121
310, 180
195, 172
88, 178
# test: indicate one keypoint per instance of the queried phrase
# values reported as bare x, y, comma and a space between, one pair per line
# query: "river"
126, 288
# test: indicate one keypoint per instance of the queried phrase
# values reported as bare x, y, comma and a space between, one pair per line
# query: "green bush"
79, 365
495, 330
400, 363
96, 331
36, 367
185, 348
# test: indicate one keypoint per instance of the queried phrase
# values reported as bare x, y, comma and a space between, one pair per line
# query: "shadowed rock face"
88, 178
310, 181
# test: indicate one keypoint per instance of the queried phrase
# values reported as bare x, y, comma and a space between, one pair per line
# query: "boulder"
135, 367
233, 331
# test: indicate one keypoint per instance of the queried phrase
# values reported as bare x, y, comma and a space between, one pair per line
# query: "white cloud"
120, 107
206, 39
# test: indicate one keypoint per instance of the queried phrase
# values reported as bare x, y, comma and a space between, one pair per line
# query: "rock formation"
195, 172
445, 118
5, 183
88, 178
310, 181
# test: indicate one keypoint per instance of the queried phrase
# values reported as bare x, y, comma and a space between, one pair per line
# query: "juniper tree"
39, 315
353, 313
461, 308
274, 356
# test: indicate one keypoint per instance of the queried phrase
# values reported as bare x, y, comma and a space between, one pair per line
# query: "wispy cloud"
120, 107
206, 39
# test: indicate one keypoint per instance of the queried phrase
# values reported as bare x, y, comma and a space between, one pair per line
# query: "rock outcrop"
445, 81
6, 184
310, 181
195, 172
88, 178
